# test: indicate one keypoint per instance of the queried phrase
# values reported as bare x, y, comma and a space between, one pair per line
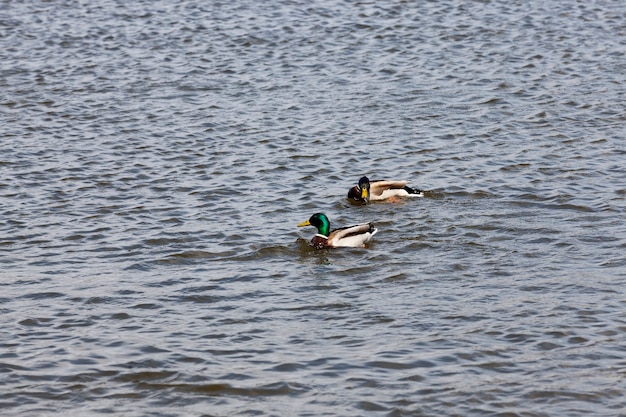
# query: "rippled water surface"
157, 156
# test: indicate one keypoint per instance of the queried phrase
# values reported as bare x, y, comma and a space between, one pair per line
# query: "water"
158, 155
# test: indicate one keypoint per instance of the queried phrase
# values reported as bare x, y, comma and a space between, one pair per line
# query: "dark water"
157, 156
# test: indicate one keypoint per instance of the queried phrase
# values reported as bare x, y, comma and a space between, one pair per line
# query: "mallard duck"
352, 236
380, 190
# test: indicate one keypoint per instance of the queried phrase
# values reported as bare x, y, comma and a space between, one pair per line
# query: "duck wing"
379, 186
352, 236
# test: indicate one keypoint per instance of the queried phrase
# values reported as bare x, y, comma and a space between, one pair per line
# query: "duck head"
320, 221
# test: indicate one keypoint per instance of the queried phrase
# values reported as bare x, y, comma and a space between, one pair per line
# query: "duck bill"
304, 223
365, 194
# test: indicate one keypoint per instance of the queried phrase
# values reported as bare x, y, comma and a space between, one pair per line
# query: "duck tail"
413, 190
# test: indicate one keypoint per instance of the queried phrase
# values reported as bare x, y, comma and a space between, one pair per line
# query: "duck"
380, 190
352, 236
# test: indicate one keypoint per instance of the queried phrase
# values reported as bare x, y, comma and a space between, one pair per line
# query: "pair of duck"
358, 235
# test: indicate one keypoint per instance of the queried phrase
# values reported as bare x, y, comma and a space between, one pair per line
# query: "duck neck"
324, 227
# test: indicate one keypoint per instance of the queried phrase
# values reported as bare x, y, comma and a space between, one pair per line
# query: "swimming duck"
380, 190
352, 236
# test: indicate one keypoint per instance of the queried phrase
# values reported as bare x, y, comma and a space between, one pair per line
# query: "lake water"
158, 155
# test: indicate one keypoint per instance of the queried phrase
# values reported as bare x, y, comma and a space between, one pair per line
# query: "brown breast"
319, 242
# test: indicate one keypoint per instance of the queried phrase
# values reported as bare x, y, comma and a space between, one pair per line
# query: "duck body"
380, 190
352, 236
